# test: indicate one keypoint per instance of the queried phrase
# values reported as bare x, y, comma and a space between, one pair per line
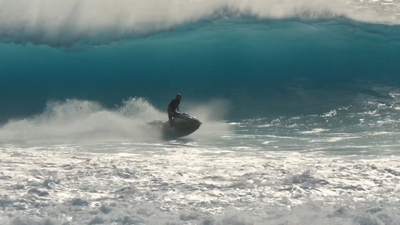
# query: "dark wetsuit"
172, 107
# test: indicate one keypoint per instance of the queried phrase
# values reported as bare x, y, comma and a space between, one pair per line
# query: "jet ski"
182, 125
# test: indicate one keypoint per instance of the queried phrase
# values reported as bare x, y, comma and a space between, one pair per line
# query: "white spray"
77, 121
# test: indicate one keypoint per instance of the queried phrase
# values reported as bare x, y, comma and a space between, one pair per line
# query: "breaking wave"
72, 24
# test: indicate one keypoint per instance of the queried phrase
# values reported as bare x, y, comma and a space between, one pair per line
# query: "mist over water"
76, 121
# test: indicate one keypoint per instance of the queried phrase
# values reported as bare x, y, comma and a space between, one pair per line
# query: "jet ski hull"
182, 125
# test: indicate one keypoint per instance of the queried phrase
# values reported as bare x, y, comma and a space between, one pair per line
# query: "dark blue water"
262, 67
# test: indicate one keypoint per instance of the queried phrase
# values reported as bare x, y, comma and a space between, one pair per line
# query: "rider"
173, 108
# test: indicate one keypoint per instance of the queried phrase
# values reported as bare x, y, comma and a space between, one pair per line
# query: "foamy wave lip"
77, 24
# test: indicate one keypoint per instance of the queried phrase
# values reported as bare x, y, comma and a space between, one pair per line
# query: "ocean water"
299, 103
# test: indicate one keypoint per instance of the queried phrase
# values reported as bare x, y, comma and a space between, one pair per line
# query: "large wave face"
264, 57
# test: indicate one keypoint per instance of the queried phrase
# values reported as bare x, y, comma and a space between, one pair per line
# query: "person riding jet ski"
173, 108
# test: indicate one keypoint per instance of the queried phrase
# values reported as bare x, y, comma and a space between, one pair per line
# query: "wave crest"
75, 23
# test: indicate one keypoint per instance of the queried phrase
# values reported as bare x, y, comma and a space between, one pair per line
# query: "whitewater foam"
193, 184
